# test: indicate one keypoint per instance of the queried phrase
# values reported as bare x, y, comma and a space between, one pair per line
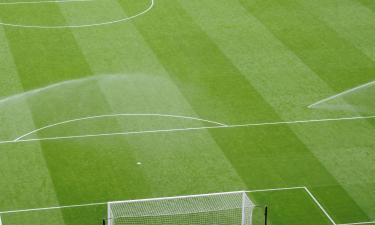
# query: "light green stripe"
26, 179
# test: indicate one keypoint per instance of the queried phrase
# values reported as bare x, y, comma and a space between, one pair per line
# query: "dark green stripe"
368, 3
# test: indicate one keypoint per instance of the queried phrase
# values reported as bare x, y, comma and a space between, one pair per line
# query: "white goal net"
230, 208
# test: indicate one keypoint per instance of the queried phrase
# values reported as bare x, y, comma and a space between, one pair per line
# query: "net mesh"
218, 209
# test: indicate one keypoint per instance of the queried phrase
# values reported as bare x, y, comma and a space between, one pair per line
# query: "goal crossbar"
178, 196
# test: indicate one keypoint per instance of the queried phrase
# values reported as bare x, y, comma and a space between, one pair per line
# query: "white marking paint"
105, 203
42, 2
342, 93
193, 129
320, 206
274, 189
1, 222
370, 222
53, 207
118, 115
112, 134
302, 121
152, 3
249, 191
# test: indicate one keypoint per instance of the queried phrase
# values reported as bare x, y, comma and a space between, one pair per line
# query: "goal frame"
245, 200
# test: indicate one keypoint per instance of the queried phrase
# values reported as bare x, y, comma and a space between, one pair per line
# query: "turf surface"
229, 62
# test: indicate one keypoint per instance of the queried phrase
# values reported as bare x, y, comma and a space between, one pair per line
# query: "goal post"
226, 208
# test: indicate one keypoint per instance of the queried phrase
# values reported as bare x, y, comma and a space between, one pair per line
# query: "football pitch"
109, 100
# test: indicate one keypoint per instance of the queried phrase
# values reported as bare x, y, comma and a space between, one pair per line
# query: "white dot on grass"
139, 163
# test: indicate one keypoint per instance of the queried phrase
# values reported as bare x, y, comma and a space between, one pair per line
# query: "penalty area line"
120, 115
358, 223
43, 2
52, 208
320, 206
105, 203
248, 191
274, 189
192, 129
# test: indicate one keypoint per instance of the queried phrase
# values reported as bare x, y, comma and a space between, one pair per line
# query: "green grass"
229, 61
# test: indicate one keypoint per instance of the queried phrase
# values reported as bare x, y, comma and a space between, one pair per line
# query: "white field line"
43, 2
152, 3
1, 222
52, 208
342, 93
358, 223
192, 129
320, 206
119, 115
113, 134
274, 189
105, 203
249, 191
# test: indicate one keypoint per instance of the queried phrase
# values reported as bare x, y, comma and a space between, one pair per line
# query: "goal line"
305, 189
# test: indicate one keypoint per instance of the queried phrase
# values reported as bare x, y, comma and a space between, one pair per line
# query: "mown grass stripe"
47, 57
320, 48
309, 33
368, 3
26, 167
199, 47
